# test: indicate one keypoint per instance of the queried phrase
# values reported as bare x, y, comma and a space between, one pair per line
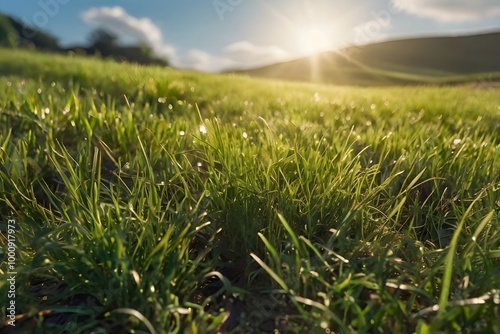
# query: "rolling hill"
410, 61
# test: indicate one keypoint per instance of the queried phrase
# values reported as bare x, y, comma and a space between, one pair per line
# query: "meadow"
151, 200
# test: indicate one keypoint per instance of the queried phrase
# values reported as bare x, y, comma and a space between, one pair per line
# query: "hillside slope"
421, 60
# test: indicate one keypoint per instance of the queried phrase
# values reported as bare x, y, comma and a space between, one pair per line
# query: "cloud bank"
451, 10
118, 21
247, 52
238, 55
242, 54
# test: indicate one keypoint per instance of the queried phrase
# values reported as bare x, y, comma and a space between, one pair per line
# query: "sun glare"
313, 39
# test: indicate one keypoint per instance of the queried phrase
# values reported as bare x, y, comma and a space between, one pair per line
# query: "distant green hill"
421, 60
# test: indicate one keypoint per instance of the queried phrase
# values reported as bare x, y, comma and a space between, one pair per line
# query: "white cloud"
120, 22
451, 10
117, 20
238, 55
251, 54
168, 51
203, 61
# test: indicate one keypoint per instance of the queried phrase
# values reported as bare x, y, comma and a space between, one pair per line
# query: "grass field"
154, 200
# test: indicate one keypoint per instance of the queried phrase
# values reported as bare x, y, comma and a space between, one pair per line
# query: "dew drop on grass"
496, 298
162, 99
245, 135
203, 129
182, 133
457, 141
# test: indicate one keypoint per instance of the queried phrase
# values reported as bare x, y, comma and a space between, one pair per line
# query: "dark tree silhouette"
28, 36
106, 44
8, 35
103, 41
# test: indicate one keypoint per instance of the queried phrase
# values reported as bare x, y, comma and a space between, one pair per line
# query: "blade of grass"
450, 257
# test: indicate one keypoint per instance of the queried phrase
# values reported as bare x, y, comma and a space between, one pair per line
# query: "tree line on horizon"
102, 43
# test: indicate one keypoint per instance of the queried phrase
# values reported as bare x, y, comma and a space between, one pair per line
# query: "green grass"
154, 200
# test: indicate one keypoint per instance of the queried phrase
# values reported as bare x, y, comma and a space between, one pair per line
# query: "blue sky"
211, 35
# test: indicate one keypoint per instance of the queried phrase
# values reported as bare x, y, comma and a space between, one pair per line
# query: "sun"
313, 39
